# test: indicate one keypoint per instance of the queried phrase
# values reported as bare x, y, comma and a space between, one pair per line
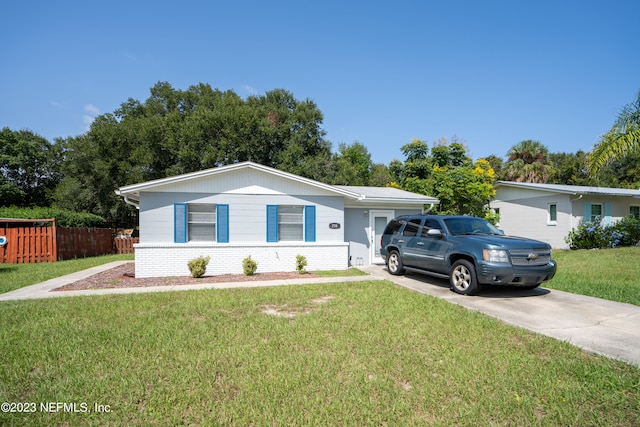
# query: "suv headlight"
495, 255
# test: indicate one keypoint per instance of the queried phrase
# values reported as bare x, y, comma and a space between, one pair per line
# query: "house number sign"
334, 226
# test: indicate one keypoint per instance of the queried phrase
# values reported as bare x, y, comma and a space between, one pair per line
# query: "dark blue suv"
470, 251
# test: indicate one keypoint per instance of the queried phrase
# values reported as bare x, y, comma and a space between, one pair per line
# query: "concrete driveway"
599, 326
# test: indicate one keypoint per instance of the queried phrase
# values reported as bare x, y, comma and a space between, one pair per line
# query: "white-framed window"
634, 211
201, 222
596, 212
552, 214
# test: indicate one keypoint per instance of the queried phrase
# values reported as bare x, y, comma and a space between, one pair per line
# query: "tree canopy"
29, 168
448, 174
527, 162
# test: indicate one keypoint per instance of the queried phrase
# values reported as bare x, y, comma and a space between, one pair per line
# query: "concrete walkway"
599, 326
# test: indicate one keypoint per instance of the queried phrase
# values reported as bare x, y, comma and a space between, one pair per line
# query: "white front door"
378, 220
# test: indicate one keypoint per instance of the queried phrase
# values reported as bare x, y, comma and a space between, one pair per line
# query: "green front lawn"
612, 274
367, 353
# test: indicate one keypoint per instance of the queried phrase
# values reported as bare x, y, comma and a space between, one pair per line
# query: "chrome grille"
523, 257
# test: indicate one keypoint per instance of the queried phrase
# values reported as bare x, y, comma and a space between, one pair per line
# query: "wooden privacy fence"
28, 244
41, 240
124, 245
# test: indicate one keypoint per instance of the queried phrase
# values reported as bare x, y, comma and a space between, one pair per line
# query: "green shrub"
301, 263
249, 266
198, 266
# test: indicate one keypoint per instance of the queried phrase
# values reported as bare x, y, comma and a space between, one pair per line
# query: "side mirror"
434, 232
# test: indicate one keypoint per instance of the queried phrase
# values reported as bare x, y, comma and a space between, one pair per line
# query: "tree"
180, 131
527, 162
621, 140
352, 165
29, 168
569, 169
449, 174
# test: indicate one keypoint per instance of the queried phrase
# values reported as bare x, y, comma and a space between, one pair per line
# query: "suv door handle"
420, 243
400, 241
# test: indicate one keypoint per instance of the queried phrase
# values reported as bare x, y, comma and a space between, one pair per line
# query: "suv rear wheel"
394, 263
463, 278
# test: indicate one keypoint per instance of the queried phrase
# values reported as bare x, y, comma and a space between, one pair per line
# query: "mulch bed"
124, 277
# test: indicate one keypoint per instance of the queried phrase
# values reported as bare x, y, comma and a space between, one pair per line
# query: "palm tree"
527, 162
622, 139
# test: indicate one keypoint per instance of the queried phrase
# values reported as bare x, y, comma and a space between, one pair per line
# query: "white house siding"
245, 182
525, 212
247, 214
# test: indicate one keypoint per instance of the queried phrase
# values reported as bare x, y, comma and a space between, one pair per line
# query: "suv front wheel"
394, 263
463, 278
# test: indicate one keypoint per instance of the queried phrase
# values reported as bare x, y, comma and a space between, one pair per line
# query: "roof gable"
254, 178
238, 178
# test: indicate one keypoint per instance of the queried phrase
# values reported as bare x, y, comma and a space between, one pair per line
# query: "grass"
612, 274
16, 276
340, 273
366, 353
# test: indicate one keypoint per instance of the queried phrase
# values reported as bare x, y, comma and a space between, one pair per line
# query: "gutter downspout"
127, 201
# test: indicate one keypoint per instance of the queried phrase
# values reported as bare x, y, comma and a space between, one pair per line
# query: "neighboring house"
548, 212
247, 209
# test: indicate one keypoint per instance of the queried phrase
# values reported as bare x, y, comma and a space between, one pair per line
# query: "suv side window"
411, 229
428, 225
393, 226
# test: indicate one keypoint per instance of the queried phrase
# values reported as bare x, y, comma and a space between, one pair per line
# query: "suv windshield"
470, 225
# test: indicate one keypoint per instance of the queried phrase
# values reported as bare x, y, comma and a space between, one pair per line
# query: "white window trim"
200, 221
549, 220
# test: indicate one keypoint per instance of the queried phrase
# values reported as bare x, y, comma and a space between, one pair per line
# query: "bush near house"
64, 218
301, 263
198, 266
594, 235
249, 266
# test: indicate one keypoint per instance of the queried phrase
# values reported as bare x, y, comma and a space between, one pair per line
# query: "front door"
378, 220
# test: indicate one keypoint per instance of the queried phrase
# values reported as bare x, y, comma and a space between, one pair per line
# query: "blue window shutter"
222, 223
272, 223
608, 210
587, 212
309, 223
180, 223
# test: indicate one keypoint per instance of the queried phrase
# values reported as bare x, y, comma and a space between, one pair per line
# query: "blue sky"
493, 73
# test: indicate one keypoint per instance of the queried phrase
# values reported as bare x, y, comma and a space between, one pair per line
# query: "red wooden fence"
40, 240
28, 245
